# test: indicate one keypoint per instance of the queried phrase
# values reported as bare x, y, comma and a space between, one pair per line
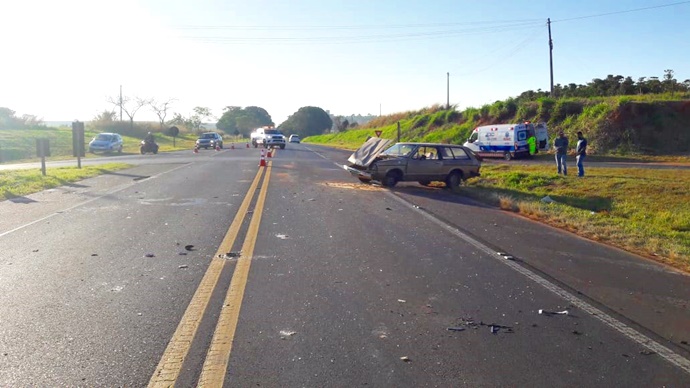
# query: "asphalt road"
301, 276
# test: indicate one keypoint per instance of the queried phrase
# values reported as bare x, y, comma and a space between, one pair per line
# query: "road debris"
35, 250
183, 266
189, 247
402, 300
94, 254
647, 352
577, 332
684, 342
457, 328
182, 253
405, 359
388, 208
282, 236
548, 199
230, 255
287, 333
149, 255
545, 312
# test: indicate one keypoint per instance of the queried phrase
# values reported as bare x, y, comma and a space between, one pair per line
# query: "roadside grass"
19, 145
18, 183
643, 211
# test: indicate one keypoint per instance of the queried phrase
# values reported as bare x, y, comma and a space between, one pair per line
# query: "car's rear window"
103, 137
459, 153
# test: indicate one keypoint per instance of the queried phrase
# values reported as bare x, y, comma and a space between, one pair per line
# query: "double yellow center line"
218, 355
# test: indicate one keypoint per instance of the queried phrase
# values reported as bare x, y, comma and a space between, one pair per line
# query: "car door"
424, 164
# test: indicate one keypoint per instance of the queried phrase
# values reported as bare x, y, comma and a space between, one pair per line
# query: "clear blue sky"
344, 56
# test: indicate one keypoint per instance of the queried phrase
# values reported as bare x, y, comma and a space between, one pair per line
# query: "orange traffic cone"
196, 150
262, 163
232, 146
247, 145
217, 148
270, 153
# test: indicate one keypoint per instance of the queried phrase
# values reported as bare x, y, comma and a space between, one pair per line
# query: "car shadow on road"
589, 203
12, 197
438, 193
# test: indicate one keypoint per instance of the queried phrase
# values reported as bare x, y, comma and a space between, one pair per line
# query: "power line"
354, 27
621, 12
365, 38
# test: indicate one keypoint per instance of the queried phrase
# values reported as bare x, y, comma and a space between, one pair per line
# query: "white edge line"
88, 201
663, 351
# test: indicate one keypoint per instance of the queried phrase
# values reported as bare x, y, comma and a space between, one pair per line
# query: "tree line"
615, 85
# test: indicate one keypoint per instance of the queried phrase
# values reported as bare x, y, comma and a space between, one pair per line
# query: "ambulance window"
473, 137
522, 135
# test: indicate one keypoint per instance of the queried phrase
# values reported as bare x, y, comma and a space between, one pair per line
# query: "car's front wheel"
391, 179
453, 181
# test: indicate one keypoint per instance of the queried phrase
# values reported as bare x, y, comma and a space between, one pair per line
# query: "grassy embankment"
17, 183
641, 210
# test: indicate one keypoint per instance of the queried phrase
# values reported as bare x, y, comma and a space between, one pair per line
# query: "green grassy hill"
647, 124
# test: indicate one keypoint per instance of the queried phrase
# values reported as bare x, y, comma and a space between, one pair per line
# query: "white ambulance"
507, 141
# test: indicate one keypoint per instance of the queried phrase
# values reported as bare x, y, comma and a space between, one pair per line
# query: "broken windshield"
398, 150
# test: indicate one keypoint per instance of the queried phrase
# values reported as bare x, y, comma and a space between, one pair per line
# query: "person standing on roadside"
581, 152
561, 146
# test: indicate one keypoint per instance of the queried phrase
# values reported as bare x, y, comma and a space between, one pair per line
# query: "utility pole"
120, 103
548, 23
379, 109
448, 90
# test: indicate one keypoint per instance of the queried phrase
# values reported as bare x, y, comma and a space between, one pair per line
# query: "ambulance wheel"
507, 156
453, 181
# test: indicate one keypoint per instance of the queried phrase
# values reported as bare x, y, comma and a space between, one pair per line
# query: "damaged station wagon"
416, 162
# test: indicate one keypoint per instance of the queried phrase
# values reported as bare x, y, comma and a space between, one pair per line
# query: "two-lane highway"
301, 276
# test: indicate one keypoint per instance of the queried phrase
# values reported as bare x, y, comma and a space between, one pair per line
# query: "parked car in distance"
294, 139
420, 162
209, 140
106, 142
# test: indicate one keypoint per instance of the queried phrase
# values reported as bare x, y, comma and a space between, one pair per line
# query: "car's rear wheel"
391, 179
453, 181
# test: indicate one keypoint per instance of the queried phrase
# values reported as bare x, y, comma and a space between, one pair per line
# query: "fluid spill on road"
353, 186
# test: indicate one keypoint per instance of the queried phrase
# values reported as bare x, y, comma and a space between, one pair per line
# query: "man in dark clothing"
581, 152
561, 146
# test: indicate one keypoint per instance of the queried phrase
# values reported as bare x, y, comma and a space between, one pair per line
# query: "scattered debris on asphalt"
506, 256
94, 254
149, 255
684, 342
388, 208
545, 312
494, 328
405, 359
182, 253
402, 300
647, 352
547, 199
282, 236
457, 328
35, 250
287, 333
189, 247
230, 255
140, 314
577, 332
625, 355
312, 199
183, 266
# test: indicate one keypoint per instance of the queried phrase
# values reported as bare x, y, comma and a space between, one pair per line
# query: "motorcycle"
148, 146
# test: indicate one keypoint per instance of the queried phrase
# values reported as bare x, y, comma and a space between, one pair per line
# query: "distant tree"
161, 109
105, 116
307, 121
9, 120
129, 105
345, 125
237, 120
